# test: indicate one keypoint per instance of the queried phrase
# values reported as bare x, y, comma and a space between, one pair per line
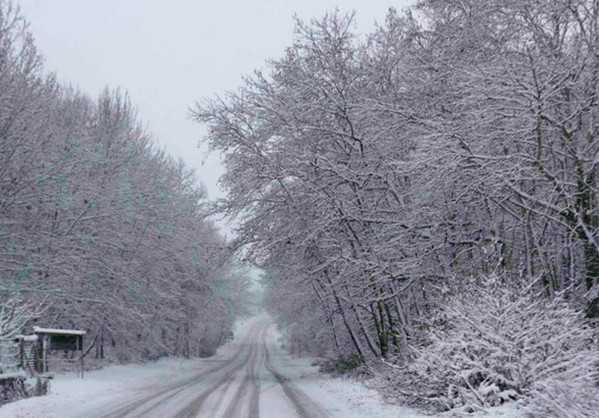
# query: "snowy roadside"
73, 397
352, 399
69, 393
342, 397
346, 397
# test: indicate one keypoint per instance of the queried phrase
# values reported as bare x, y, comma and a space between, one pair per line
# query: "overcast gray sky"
170, 54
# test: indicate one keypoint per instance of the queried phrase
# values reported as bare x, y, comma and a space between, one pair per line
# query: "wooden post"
44, 354
80, 343
22, 353
36, 357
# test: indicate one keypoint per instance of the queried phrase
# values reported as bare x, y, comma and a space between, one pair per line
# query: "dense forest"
425, 197
100, 230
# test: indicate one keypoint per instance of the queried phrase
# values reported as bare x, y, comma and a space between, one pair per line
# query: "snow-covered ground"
72, 397
356, 399
229, 384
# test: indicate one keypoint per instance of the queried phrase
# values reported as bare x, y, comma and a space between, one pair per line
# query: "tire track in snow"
252, 354
303, 405
252, 379
146, 404
221, 397
256, 382
233, 409
195, 406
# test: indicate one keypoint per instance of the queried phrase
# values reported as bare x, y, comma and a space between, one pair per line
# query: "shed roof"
56, 331
25, 337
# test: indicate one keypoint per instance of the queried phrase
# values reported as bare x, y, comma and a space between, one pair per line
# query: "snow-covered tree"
14, 314
97, 221
374, 176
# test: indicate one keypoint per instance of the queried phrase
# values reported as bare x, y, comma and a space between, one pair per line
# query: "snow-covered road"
242, 384
249, 377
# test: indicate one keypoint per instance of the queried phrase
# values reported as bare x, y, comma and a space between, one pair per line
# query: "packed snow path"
249, 377
241, 385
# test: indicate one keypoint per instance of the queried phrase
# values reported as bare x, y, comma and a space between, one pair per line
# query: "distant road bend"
246, 383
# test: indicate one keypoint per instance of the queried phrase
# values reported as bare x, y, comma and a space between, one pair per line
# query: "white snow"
27, 338
11, 375
73, 397
40, 330
343, 397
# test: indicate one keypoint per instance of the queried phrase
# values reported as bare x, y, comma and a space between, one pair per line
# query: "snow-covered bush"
13, 315
577, 398
493, 342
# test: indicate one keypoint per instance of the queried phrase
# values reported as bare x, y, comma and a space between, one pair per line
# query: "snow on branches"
13, 316
494, 341
100, 222
459, 140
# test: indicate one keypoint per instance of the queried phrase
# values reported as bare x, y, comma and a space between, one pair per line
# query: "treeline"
377, 175
99, 229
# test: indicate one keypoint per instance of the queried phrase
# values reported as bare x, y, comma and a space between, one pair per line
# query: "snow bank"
342, 397
345, 397
73, 397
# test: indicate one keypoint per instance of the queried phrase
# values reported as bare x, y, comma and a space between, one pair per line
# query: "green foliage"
349, 363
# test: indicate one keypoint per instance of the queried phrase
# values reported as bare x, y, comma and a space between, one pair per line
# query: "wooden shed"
53, 339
